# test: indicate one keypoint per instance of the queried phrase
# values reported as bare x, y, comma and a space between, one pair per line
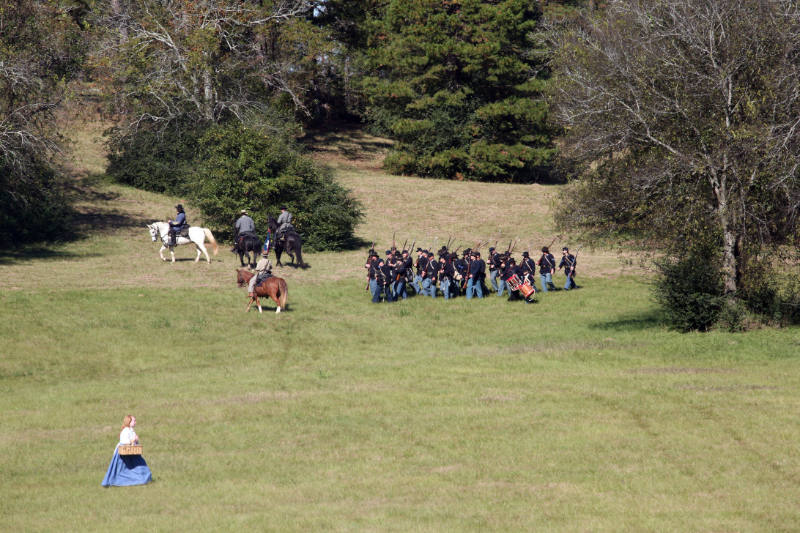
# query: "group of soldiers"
445, 272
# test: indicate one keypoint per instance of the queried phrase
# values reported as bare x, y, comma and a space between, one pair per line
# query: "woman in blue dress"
126, 470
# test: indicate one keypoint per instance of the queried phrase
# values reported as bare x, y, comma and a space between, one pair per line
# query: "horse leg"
249, 303
172, 253
161, 252
277, 302
201, 248
258, 303
278, 256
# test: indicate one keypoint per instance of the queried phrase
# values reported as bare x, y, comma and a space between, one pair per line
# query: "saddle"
261, 278
184, 231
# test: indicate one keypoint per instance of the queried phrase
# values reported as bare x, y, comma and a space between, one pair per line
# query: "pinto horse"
273, 287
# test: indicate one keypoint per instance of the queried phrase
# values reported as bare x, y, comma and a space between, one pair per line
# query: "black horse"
291, 244
246, 243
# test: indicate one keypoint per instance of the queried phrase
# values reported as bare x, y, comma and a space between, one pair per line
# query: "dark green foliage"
239, 167
33, 207
159, 161
458, 85
690, 290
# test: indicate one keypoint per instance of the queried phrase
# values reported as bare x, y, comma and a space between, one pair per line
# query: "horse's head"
153, 229
272, 223
240, 277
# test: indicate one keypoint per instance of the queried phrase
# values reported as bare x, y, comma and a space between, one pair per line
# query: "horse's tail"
284, 293
212, 240
297, 245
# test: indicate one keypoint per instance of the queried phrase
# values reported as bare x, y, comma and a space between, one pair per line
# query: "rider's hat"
283, 208
243, 212
179, 206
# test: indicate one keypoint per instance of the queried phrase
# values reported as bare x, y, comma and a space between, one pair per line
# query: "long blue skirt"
126, 470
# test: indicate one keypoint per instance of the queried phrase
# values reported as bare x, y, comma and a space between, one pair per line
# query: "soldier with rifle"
494, 268
446, 275
568, 263
429, 276
402, 265
375, 276
422, 262
387, 275
547, 266
477, 270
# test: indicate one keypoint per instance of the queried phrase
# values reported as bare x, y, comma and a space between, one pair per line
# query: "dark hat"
419, 249
388, 252
512, 260
283, 208
545, 249
525, 254
179, 206
404, 251
380, 260
491, 248
477, 254
565, 249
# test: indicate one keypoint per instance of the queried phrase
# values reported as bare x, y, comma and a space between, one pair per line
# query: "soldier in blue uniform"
175, 226
477, 270
547, 266
568, 263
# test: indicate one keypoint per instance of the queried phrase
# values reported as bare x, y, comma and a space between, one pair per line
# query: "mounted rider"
244, 227
284, 223
177, 225
263, 271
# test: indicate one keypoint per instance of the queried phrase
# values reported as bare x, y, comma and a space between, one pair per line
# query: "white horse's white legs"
201, 249
161, 252
172, 253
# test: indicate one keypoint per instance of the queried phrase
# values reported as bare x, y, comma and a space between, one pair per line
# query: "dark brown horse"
291, 243
273, 287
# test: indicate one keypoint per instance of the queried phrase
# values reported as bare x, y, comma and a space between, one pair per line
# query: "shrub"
33, 206
240, 167
690, 289
158, 161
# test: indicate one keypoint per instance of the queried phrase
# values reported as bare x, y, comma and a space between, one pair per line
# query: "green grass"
582, 412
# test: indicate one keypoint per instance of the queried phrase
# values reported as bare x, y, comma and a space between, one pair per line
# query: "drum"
514, 282
527, 291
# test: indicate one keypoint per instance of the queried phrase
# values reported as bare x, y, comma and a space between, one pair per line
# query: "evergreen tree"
457, 83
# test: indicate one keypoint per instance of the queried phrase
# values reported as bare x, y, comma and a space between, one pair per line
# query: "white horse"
197, 236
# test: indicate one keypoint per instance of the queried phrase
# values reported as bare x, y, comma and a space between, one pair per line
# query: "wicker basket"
130, 450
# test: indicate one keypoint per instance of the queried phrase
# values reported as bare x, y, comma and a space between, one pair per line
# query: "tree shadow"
32, 252
649, 320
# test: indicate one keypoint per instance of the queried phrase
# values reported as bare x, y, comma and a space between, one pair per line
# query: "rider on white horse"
175, 226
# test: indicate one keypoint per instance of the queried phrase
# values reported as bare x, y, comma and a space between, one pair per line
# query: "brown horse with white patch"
273, 287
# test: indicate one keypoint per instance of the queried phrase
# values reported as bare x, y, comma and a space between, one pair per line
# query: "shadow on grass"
31, 252
650, 320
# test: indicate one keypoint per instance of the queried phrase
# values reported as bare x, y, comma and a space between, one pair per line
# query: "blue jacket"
179, 221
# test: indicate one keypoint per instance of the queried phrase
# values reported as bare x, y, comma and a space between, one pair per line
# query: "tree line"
673, 121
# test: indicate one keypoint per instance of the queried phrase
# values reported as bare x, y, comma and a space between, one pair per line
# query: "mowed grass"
581, 412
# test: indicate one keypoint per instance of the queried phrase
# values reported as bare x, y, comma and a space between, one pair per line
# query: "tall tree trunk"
208, 95
730, 239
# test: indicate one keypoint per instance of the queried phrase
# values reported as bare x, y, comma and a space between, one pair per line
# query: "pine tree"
458, 83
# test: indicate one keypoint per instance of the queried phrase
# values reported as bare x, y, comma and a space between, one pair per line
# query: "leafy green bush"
240, 167
33, 207
690, 290
158, 161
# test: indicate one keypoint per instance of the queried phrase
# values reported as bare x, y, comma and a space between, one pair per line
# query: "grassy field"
582, 412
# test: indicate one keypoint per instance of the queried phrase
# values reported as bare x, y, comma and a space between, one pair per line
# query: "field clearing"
581, 412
